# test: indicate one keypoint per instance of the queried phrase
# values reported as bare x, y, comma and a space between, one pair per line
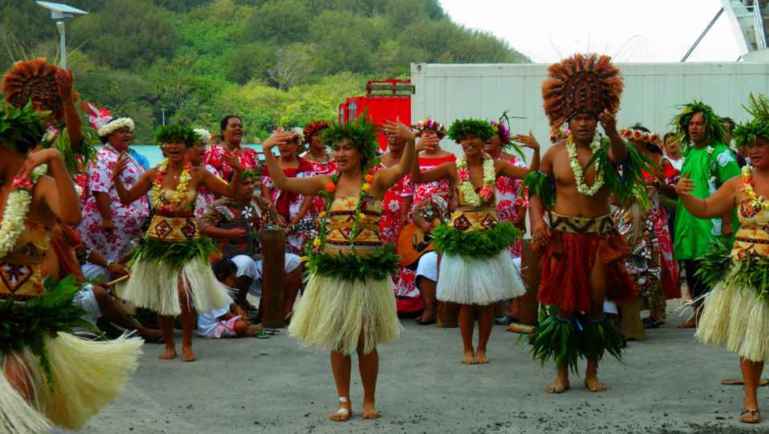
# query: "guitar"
412, 244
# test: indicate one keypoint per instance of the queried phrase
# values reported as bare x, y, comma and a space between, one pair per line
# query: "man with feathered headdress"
709, 163
582, 252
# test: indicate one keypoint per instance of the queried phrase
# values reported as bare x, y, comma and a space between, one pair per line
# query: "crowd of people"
617, 217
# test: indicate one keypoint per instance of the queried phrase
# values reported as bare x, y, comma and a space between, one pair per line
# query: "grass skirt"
154, 285
85, 375
336, 314
736, 318
466, 280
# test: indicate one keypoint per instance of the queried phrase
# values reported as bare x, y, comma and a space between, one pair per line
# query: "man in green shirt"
709, 163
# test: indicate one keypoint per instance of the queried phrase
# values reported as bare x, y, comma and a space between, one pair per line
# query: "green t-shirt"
709, 168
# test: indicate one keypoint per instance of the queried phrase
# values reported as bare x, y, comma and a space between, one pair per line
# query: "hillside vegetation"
275, 62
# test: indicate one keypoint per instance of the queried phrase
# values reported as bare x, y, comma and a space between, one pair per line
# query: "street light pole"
61, 13
62, 44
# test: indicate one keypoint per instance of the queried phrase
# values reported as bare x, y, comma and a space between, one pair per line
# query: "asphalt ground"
665, 384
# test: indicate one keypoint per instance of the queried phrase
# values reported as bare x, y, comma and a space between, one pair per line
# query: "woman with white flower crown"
48, 376
476, 268
170, 273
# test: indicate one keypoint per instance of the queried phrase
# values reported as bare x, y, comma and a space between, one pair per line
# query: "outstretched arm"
718, 204
217, 185
388, 176
504, 168
139, 189
71, 117
308, 186
618, 149
58, 190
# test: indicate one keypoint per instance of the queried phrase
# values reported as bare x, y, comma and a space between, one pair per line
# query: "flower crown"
462, 128
362, 135
745, 134
501, 130
640, 136
429, 124
102, 121
176, 134
203, 136
313, 128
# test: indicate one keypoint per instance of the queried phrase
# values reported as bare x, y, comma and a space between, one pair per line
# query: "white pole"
62, 44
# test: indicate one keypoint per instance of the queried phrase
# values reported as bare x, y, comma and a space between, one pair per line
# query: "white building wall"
652, 92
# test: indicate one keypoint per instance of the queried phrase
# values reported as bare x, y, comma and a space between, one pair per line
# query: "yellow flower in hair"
365, 187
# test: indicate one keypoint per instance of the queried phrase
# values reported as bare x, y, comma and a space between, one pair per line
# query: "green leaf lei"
476, 243
26, 324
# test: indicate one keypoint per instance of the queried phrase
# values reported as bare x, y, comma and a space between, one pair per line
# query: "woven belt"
602, 225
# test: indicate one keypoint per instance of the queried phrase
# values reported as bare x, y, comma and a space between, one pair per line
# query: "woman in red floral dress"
232, 134
430, 156
290, 207
511, 197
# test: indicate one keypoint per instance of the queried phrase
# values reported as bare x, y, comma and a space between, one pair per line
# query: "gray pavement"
666, 384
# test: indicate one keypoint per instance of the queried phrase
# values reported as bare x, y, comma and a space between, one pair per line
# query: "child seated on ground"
231, 321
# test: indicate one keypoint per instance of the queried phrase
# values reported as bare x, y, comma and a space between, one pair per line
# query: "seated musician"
416, 251
235, 224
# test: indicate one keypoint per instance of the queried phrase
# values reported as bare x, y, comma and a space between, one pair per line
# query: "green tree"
126, 33
250, 62
280, 21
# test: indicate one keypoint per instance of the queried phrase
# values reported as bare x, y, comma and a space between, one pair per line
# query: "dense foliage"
276, 62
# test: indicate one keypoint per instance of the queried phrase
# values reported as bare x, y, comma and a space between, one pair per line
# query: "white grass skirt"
736, 319
479, 281
336, 314
154, 285
85, 376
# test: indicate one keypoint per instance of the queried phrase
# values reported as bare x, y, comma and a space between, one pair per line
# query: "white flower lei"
466, 187
16, 209
579, 175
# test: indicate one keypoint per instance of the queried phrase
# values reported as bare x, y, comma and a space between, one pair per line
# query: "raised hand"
278, 137
528, 141
398, 130
608, 122
35, 159
685, 186
120, 166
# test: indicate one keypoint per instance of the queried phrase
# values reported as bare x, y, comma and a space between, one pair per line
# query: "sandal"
750, 416
342, 414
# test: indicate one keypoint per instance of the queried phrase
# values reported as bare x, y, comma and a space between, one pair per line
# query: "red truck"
384, 100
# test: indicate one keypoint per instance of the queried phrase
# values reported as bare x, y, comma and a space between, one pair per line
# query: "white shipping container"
653, 92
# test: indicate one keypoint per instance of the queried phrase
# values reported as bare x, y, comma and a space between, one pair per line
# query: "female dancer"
430, 134
348, 304
49, 376
736, 313
170, 273
476, 269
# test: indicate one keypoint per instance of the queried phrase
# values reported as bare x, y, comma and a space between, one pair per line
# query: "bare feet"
469, 358
188, 355
592, 384
481, 358
691, 323
168, 354
520, 328
560, 385
369, 411
343, 413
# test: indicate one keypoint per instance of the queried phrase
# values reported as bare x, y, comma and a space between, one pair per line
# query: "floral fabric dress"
510, 198
214, 157
426, 190
289, 204
128, 219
